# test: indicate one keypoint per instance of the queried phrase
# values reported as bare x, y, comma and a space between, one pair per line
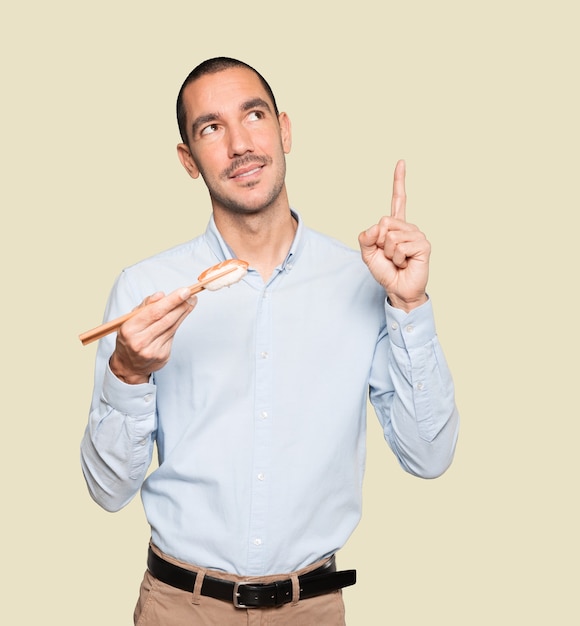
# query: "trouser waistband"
322, 580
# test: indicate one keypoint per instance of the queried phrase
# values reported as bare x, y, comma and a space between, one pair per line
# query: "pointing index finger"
399, 201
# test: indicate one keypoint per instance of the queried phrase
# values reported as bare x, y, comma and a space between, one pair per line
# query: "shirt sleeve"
117, 445
412, 391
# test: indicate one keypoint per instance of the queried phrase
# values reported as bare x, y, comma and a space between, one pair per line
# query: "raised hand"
144, 342
396, 252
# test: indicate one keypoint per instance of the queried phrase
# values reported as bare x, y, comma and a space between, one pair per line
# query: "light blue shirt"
260, 414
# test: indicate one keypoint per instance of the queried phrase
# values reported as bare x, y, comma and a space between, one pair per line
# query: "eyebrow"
254, 103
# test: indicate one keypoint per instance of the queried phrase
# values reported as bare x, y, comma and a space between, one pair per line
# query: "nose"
239, 141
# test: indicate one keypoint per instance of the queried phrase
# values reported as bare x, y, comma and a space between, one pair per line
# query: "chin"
251, 206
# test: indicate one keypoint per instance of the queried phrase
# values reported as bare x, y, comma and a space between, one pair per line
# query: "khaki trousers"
162, 605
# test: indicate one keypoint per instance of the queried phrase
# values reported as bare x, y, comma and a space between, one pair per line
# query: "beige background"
481, 99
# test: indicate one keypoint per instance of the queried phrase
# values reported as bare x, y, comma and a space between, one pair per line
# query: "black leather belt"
252, 595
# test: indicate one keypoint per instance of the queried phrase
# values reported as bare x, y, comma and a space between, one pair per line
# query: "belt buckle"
236, 598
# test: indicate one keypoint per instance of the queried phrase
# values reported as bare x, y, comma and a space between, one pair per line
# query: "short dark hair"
213, 66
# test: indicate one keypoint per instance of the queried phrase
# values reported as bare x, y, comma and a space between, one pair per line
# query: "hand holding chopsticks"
221, 275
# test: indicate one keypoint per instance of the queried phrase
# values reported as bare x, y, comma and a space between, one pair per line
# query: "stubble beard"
238, 206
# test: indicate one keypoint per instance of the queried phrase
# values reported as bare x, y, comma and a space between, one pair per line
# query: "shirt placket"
262, 421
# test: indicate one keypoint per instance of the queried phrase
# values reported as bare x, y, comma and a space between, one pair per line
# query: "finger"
417, 249
399, 200
152, 329
159, 336
160, 306
155, 297
166, 312
175, 319
368, 238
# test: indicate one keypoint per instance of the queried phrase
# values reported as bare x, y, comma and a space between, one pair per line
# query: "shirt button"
264, 355
264, 415
289, 266
410, 328
420, 386
257, 542
148, 397
394, 326
261, 476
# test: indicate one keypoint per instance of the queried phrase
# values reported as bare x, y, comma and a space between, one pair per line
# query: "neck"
262, 239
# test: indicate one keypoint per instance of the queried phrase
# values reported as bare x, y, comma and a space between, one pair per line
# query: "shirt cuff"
413, 329
135, 400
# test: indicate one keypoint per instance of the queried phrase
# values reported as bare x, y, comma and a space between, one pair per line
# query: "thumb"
154, 297
368, 239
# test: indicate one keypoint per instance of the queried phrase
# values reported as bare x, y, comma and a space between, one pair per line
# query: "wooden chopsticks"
108, 327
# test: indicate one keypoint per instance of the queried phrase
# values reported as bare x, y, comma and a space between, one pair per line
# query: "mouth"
246, 167
246, 172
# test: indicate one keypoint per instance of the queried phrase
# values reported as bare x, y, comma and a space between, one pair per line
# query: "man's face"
236, 141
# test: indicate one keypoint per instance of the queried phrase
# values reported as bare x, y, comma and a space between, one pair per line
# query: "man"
257, 400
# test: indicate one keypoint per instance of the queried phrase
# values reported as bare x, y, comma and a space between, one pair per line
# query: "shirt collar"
217, 243
222, 251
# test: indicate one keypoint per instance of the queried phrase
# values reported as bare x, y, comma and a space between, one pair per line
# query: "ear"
184, 154
285, 131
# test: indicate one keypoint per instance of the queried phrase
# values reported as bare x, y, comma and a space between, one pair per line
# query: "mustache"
249, 159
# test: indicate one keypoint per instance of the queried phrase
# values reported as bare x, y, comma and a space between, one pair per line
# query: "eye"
209, 129
256, 115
